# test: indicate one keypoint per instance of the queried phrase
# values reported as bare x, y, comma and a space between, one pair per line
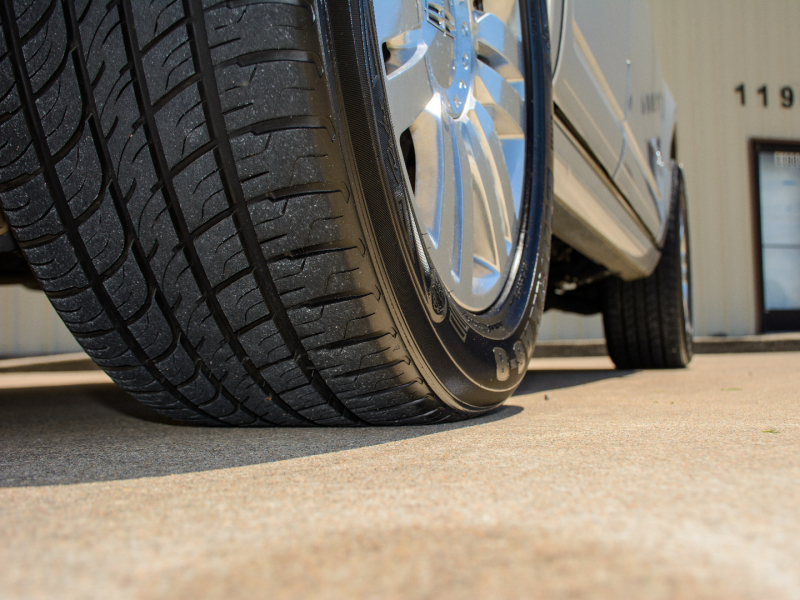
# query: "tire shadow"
537, 381
89, 433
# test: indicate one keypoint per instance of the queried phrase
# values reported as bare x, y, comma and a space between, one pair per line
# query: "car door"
643, 174
590, 87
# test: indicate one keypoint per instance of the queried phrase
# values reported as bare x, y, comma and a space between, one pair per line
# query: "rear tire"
648, 322
183, 184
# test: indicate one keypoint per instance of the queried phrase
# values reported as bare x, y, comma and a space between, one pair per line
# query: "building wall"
29, 326
706, 48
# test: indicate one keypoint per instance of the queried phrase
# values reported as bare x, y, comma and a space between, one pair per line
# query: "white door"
591, 83
643, 175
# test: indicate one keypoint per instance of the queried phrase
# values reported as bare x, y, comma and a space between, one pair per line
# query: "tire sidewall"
681, 216
473, 361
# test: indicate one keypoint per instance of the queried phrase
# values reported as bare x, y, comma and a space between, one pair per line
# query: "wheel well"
575, 281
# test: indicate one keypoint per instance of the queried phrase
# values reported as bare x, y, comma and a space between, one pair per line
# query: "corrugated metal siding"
706, 48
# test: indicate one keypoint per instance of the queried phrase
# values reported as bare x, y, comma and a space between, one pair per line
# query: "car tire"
208, 195
648, 323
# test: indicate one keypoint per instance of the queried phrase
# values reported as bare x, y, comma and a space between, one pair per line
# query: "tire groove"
163, 35
238, 3
367, 370
284, 123
262, 56
54, 184
250, 326
20, 180
217, 130
314, 250
117, 196
192, 257
125, 262
59, 70
307, 189
37, 27
175, 91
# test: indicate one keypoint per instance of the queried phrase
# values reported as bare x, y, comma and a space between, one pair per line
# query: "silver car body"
613, 134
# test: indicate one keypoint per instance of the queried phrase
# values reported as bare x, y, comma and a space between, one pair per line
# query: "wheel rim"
455, 89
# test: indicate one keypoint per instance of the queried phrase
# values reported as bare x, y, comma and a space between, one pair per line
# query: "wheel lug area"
450, 23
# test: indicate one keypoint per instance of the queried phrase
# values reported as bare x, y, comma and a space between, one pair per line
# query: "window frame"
774, 321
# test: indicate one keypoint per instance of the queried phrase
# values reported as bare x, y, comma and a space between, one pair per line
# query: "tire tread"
643, 320
202, 244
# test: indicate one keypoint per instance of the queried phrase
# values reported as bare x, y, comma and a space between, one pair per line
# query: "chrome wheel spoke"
430, 176
409, 90
454, 80
507, 11
499, 47
393, 19
493, 156
501, 100
491, 249
463, 242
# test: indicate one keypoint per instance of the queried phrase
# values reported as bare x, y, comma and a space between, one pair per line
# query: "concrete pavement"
764, 342
673, 484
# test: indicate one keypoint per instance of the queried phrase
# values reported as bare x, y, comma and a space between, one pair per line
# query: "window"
778, 232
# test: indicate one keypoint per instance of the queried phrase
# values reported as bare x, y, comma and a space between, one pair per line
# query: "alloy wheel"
455, 87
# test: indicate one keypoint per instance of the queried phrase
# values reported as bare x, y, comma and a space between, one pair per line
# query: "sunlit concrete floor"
673, 484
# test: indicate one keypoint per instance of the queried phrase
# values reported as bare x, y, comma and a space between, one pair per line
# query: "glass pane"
781, 279
779, 174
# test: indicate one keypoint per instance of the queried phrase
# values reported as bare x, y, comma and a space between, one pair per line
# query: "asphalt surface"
672, 484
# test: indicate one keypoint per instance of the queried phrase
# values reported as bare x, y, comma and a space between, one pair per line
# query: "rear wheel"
261, 213
648, 323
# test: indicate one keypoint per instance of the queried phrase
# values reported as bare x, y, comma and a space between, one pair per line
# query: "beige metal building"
707, 49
